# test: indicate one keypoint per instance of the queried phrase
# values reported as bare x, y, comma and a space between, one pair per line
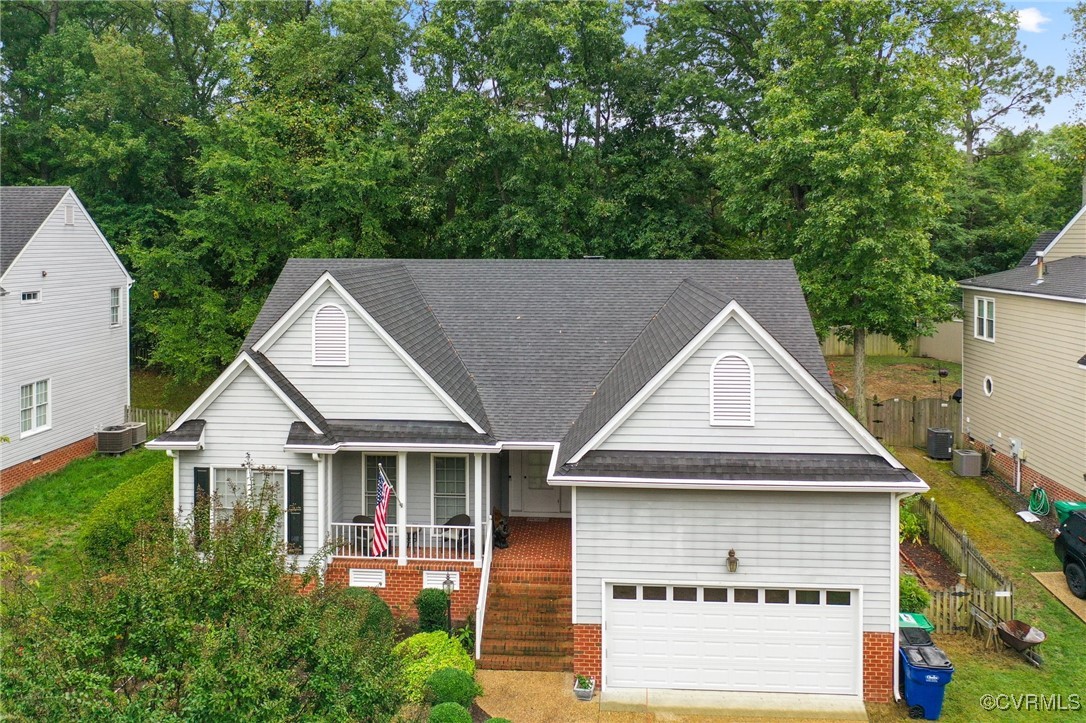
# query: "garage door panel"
710, 645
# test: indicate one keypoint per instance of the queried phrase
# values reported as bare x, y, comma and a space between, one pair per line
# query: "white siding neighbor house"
1024, 365
64, 330
634, 470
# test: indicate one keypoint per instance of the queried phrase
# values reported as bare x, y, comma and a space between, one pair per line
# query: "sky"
1043, 28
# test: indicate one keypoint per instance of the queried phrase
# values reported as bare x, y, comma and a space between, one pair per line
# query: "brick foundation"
587, 650
17, 475
879, 651
1003, 467
403, 583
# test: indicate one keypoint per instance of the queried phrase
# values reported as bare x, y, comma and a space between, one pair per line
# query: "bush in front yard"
433, 607
912, 597
449, 713
111, 525
451, 685
424, 654
374, 615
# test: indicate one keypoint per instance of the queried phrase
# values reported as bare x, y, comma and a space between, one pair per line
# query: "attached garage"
760, 639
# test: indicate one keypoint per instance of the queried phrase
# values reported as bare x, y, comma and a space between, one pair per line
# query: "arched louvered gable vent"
330, 336
731, 391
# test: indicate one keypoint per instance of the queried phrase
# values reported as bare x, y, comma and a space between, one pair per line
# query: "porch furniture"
460, 538
363, 536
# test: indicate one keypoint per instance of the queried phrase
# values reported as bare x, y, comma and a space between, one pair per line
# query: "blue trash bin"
925, 670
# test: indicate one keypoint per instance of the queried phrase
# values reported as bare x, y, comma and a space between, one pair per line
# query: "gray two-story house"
63, 332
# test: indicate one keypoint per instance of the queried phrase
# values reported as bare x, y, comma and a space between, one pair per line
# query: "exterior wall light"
733, 561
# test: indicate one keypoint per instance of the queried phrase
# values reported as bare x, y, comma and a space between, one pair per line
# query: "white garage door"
732, 638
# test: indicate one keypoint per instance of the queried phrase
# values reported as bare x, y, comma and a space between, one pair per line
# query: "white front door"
703, 637
529, 493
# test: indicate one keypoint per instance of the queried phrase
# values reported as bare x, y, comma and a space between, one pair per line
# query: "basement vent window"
330, 346
366, 578
435, 578
731, 391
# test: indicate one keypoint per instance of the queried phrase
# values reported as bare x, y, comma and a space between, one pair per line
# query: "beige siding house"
1024, 365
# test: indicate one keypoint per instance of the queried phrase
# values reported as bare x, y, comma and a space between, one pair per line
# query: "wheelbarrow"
1022, 638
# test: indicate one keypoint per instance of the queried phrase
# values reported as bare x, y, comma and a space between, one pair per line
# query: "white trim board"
328, 281
811, 385
1056, 239
989, 290
742, 485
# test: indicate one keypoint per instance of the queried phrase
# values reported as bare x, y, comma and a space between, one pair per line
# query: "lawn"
890, 377
1016, 549
43, 516
151, 390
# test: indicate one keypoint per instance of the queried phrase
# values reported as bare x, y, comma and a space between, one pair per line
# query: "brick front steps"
529, 620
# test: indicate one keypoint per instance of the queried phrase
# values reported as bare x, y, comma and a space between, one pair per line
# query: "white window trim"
346, 337
987, 386
712, 386
365, 484
34, 407
433, 484
212, 469
36, 300
977, 300
69, 214
112, 323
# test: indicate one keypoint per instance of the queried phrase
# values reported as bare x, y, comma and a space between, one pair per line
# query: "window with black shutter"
201, 507
295, 512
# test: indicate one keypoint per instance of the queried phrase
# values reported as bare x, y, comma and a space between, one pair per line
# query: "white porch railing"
484, 586
424, 542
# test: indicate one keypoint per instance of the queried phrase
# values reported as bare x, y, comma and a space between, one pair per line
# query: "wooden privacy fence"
158, 420
945, 344
904, 422
949, 611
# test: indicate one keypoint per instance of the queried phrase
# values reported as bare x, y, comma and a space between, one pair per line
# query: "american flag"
380, 514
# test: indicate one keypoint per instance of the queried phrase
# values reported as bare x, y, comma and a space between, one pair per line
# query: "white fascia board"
739, 485
101, 236
734, 311
242, 362
1056, 240
988, 290
394, 446
177, 446
326, 281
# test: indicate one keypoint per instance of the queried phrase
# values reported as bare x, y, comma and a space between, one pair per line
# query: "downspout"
895, 581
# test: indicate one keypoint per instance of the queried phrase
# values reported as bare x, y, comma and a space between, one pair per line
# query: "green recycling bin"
914, 620
1064, 509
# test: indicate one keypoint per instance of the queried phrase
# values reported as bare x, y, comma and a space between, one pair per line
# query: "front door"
529, 493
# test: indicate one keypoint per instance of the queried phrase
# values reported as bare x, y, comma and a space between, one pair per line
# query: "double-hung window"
984, 318
450, 487
232, 486
34, 407
114, 306
389, 464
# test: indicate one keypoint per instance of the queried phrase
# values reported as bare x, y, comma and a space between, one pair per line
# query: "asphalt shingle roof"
363, 431
534, 341
1066, 278
22, 211
189, 431
1040, 244
289, 390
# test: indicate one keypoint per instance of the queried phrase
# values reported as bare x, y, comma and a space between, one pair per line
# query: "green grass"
43, 516
151, 390
1016, 549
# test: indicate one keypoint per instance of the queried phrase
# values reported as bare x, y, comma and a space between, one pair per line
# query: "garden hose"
1038, 502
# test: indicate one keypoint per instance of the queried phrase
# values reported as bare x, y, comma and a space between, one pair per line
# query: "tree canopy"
214, 139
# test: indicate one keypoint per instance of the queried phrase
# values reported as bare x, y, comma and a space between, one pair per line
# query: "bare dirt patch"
935, 572
890, 377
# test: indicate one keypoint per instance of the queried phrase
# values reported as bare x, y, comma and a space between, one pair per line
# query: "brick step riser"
527, 649
527, 632
552, 577
560, 610
544, 665
529, 594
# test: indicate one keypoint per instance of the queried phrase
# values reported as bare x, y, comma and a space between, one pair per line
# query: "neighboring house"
64, 348
637, 420
1024, 365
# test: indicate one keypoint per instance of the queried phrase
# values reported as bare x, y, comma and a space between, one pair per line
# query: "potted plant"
584, 686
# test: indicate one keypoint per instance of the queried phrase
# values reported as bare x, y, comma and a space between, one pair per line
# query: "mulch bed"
931, 567
1018, 502
478, 715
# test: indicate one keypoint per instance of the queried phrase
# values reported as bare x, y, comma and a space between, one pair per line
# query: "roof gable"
23, 209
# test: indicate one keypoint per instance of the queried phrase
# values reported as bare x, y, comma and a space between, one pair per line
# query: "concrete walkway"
525, 697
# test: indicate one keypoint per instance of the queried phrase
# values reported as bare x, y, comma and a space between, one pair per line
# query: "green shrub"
449, 713
373, 613
451, 685
111, 525
912, 597
911, 524
424, 654
433, 607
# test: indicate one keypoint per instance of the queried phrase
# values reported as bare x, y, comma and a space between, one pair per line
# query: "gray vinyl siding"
377, 384
787, 418
248, 417
1039, 390
816, 539
65, 338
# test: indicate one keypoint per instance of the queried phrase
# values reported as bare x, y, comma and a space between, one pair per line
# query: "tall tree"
846, 169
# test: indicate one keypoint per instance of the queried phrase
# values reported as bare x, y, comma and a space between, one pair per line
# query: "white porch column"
478, 509
321, 472
401, 502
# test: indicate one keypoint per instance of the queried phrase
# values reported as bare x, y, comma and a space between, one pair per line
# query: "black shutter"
295, 518
201, 507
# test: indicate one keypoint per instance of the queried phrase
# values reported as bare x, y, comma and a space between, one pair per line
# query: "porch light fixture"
447, 585
733, 561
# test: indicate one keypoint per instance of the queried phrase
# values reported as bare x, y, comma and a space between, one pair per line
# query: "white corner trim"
326, 281
224, 380
734, 311
573, 551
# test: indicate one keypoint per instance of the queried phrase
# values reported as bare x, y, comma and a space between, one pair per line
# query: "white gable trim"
243, 362
903, 487
327, 281
989, 290
734, 311
1056, 240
